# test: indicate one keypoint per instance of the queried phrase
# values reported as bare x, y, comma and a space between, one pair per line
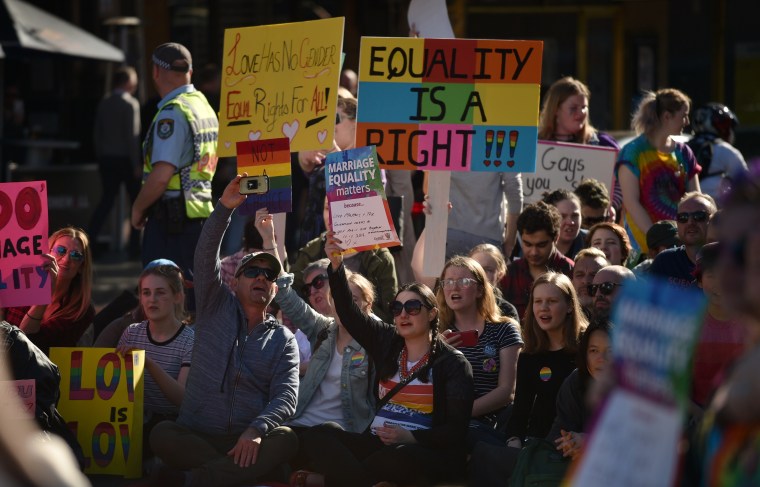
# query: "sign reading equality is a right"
450, 104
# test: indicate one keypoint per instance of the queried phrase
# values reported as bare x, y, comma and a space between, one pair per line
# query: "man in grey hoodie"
243, 383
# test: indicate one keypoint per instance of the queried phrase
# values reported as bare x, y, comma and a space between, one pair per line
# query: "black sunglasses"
606, 288
700, 216
412, 307
76, 255
317, 283
253, 272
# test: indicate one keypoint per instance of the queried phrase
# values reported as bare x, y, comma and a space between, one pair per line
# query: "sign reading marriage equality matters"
269, 183
23, 240
450, 104
656, 331
280, 80
102, 401
359, 212
560, 165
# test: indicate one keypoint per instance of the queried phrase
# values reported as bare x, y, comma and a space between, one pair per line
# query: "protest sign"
24, 239
280, 80
655, 334
561, 165
450, 104
268, 162
359, 213
102, 401
23, 391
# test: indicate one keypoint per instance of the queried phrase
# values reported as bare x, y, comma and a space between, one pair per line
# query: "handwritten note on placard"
359, 212
23, 241
450, 104
280, 81
102, 401
561, 165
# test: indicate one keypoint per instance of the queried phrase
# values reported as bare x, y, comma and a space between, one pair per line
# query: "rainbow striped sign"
450, 104
270, 160
102, 401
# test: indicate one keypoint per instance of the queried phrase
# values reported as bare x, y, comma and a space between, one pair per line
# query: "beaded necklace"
405, 374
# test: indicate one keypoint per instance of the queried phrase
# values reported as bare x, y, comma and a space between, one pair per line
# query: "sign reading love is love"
23, 241
280, 81
450, 104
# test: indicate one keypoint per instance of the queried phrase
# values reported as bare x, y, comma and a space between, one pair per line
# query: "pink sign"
23, 241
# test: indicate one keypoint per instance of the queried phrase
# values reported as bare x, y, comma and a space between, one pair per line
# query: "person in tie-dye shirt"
653, 169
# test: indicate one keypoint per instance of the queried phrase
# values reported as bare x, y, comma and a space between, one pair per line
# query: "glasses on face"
253, 272
412, 307
700, 216
463, 282
317, 283
606, 288
61, 251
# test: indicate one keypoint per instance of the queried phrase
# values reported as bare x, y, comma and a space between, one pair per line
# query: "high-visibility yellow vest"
193, 178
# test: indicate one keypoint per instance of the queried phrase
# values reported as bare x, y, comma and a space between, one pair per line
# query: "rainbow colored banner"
102, 401
450, 104
270, 160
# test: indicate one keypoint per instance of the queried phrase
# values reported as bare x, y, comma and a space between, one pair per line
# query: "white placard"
561, 165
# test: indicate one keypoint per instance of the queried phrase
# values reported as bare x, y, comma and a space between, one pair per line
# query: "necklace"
405, 374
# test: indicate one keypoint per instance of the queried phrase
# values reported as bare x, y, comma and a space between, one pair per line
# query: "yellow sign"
280, 81
102, 402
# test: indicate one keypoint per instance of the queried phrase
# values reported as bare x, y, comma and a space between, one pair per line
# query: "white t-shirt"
325, 405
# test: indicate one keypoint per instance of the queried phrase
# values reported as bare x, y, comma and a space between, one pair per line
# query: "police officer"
179, 154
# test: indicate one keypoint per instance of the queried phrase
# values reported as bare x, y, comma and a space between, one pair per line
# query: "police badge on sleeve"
165, 128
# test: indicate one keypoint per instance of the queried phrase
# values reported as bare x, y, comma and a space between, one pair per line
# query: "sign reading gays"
268, 162
359, 212
102, 401
23, 241
280, 80
450, 104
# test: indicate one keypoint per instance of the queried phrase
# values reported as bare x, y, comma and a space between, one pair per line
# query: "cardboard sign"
359, 212
656, 330
280, 81
102, 401
560, 165
22, 392
23, 241
450, 104
268, 161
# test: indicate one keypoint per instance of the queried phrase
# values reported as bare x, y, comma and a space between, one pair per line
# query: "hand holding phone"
254, 184
467, 338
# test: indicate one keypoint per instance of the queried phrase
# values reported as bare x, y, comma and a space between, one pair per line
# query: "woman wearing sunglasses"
62, 322
468, 305
551, 328
167, 341
611, 239
425, 389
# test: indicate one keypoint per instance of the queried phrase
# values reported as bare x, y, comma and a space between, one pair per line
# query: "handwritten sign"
657, 328
280, 81
269, 162
450, 104
561, 165
23, 240
359, 212
102, 400
23, 391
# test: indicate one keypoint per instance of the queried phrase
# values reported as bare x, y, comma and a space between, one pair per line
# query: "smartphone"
254, 184
469, 338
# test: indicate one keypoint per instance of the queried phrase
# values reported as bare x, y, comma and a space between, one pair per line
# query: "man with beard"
587, 264
677, 265
604, 290
244, 380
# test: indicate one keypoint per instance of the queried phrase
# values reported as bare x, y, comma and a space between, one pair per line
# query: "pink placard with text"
23, 241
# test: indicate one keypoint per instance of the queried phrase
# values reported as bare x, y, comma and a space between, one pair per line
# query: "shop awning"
33, 28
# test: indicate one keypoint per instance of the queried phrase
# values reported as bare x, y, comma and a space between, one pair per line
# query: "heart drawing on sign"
254, 135
497, 163
290, 129
321, 135
486, 163
227, 144
511, 163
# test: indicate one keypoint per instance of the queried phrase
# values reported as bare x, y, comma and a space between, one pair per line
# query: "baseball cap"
664, 233
166, 55
269, 258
